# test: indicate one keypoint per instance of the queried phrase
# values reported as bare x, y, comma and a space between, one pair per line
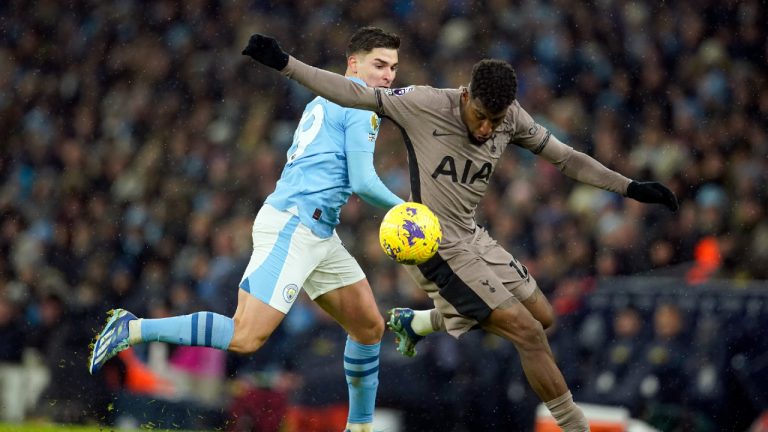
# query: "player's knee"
532, 337
528, 332
547, 320
245, 339
377, 330
369, 333
247, 345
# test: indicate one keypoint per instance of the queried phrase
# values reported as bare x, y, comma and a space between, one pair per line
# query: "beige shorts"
287, 257
470, 279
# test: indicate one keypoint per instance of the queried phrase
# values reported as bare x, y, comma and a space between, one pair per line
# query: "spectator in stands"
112, 112
51, 310
614, 379
11, 333
664, 380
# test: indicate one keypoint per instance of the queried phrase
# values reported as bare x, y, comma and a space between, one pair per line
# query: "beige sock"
569, 417
437, 320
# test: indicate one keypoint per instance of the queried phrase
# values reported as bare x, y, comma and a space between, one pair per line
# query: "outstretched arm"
586, 169
582, 167
331, 86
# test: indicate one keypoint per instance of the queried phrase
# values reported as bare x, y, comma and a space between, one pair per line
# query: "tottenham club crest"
290, 292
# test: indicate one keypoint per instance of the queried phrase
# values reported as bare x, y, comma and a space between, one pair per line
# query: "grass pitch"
43, 427
47, 427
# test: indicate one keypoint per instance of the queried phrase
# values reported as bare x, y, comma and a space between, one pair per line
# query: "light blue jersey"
315, 181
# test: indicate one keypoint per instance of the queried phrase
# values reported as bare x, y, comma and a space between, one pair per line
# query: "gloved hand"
652, 192
266, 50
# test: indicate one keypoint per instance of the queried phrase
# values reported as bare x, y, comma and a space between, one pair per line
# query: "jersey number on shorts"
308, 128
520, 268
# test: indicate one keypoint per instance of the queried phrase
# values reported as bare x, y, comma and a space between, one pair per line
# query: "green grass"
43, 427
47, 427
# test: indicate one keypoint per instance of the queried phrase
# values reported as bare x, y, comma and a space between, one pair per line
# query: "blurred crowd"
137, 144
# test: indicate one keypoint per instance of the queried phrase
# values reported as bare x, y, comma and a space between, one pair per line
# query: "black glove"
652, 192
266, 50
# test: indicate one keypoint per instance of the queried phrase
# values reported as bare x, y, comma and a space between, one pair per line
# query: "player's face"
479, 121
377, 67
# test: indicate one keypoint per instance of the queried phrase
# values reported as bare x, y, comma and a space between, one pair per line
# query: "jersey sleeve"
574, 164
366, 183
361, 129
528, 134
405, 105
332, 86
400, 104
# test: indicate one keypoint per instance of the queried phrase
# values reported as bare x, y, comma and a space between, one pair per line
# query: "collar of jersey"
357, 80
457, 109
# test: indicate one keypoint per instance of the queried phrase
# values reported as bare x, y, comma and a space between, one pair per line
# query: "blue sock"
197, 329
361, 366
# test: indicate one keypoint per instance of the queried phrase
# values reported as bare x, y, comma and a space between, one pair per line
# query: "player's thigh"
514, 322
339, 286
518, 281
538, 305
354, 308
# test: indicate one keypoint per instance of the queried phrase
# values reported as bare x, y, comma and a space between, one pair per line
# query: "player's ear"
352, 63
464, 95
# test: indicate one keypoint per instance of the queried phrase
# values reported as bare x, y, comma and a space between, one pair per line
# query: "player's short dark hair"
367, 39
494, 83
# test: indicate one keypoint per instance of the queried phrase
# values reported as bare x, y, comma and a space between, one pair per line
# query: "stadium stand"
136, 144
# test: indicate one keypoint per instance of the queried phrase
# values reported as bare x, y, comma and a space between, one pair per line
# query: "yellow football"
410, 233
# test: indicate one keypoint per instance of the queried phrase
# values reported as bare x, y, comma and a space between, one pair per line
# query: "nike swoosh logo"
437, 134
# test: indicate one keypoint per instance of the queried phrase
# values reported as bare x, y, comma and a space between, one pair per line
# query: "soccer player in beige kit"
454, 138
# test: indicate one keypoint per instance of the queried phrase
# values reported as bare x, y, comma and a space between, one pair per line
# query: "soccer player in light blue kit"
295, 244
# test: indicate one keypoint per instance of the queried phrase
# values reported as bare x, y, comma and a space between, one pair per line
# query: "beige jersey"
449, 173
